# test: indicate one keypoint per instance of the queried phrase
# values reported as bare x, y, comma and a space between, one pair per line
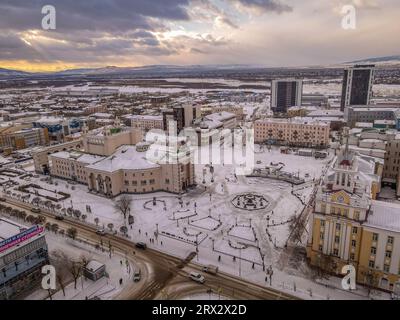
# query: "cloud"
263, 6
105, 15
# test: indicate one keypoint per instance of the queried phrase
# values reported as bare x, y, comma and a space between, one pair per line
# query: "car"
137, 275
141, 245
210, 269
197, 277
35, 210
59, 217
101, 232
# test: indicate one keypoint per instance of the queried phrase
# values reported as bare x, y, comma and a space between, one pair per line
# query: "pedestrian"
219, 258
161, 243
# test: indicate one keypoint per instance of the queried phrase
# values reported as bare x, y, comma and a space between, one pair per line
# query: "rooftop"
9, 228
385, 215
124, 158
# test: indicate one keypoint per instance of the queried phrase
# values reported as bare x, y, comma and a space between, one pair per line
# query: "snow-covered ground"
105, 288
240, 242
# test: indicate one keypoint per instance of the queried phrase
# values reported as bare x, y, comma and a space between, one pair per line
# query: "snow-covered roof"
94, 265
385, 215
145, 117
220, 116
124, 158
78, 156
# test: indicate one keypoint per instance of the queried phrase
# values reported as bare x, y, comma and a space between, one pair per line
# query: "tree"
54, 227
77, 213
96, 221
110, 226
72, 232
123, 205
60, 263
123, 230
84, 216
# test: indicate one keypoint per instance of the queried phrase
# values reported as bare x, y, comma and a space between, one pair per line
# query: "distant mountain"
153, 69
388, 60
12, 73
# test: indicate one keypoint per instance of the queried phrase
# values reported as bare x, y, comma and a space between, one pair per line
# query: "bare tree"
123, 205
96, 221
110, 226
72, 232
60, 260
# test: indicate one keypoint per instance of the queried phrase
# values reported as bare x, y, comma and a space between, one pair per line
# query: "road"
162, 273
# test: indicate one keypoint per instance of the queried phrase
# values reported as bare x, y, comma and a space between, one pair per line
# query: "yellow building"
349, 227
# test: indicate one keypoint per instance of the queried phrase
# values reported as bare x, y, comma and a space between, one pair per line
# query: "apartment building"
391, 170
21, 137
146, 122
370, 114
294, 132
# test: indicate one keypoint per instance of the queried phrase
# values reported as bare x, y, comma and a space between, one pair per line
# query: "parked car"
211, 269
3, 199
59, 217
101, 232
141, 245
137, 275
197, 277
36, 210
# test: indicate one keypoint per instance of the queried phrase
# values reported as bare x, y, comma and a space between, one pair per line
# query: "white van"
197, 277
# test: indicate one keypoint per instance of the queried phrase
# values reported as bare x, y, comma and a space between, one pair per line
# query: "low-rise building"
294, 132
146, 122
23, 252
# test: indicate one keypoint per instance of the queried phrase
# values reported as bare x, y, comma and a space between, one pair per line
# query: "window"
354, 230
134, 183
371, 264
321, 236
353, 243
388, 254
386, 268
322, 223
373, 250
338, 226
167, 181
320, 248
390, 240
335, 252
352, 257
375, 237
337, 239
357, 215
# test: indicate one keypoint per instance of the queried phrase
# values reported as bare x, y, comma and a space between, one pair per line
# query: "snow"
240, 233
105, 288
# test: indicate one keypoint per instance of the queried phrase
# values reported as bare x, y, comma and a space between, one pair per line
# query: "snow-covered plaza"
242, 242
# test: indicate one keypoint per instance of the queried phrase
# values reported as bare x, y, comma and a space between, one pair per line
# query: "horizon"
333, 65
271, 33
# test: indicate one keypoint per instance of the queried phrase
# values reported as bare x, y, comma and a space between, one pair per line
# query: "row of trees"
20, 214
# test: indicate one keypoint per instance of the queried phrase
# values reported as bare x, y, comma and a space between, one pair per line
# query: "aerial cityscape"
199, 150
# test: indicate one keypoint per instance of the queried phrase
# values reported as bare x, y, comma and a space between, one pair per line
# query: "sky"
272, 33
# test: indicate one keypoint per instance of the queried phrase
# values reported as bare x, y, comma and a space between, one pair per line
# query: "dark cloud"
104, 15
265, 5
